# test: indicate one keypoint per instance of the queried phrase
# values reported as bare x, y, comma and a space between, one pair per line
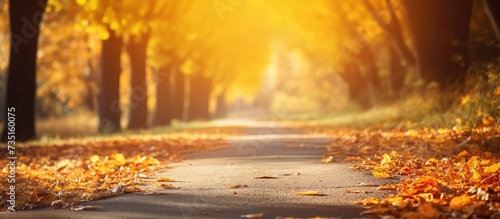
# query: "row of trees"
192, 54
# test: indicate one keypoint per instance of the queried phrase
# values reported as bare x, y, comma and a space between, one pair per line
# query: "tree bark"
25, 19
164, 113
199, 97
138, 118
109, 96
179, 95
396, 72
220, 107
441, 33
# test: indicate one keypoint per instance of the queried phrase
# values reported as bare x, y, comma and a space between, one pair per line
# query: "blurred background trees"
136, 64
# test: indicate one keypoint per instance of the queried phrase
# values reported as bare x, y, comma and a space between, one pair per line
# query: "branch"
489, 14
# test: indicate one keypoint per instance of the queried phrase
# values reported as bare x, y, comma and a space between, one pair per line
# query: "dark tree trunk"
366, 59
164, 99
396, 71
179, 95
109, 96
199, 97
357, 85
220, 107
89, 85
25, 18
138, 118
441, 32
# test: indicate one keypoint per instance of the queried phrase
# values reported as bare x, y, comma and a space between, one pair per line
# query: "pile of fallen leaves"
446, 173
66, 174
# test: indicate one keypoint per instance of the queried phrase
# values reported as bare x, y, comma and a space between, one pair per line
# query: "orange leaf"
459, 202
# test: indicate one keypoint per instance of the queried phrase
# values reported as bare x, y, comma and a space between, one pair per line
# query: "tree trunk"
357, 85
138, 118
179, 95
396, 71
109, 96
199, 97
220, 107
441, 32
366, 59
164, 99
25, 18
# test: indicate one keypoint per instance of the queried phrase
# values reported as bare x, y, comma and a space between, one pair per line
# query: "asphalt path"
286, 155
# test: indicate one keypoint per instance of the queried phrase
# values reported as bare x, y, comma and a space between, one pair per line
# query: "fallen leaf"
163, 179
165, 186
309, 193
236, 186
459, 202
327, 159
86, 207
265, 177
253, 216
388, 187
381, 175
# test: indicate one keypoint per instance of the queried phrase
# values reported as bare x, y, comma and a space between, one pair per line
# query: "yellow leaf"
163, 179
120, 159
459, 202
412, 132
81, 2
370, 201
328, 159
492, 169
309, 193
381, 175
475, 175
465, 99
386, 159
94, 158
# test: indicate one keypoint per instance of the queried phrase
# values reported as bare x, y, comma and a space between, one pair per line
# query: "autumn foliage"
444, 173
65, 174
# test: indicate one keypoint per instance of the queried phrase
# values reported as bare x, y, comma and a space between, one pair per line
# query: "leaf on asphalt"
309, 193
238, 186
370, 201
86, 207
265, 177
388, 187
253, 216
327, 159
381, 174
165, 186
163, 179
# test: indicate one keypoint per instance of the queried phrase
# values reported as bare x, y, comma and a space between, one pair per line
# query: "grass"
426, 107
